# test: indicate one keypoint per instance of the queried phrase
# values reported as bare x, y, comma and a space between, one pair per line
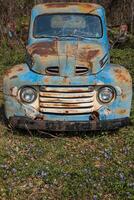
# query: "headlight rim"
22, 90
113, 94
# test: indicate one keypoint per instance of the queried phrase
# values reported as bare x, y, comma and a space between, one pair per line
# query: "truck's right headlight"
28, 95
106, 94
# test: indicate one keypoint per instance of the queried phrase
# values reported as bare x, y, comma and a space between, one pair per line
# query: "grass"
69, 167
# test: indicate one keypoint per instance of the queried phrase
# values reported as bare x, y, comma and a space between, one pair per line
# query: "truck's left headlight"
28, 95
106, 94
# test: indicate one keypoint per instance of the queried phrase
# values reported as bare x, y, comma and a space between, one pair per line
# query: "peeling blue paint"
35, 76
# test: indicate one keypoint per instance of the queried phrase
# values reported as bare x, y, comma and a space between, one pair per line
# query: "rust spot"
85, 7
66, 80
56, 5
43, 48
121, 111
88, 7
124, 96
14, 91
85, 55
13, 71
71, 50
122, 75
47, 80
107, 111
20, 69
8, 71
92, 54
13, 77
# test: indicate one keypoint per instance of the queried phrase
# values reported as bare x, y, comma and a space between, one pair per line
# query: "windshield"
82, 25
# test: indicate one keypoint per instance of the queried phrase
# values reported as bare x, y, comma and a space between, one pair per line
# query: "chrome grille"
66, 100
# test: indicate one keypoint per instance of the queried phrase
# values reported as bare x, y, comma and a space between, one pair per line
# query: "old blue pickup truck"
67, 82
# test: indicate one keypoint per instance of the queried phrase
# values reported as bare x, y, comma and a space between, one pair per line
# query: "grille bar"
66, 89
65, 100
65, 105
66, 95
66, 111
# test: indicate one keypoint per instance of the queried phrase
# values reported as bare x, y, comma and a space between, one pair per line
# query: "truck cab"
67, 82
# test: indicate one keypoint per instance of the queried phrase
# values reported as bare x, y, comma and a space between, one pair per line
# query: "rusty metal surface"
22, 122
67, 110
66, 7
65, 54
66, 95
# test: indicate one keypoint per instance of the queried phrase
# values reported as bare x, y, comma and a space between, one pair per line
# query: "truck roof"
66, 7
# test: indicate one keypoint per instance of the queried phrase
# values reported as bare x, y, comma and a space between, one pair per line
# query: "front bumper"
61, 126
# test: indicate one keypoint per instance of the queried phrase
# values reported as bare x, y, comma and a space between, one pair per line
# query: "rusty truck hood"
66, 57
